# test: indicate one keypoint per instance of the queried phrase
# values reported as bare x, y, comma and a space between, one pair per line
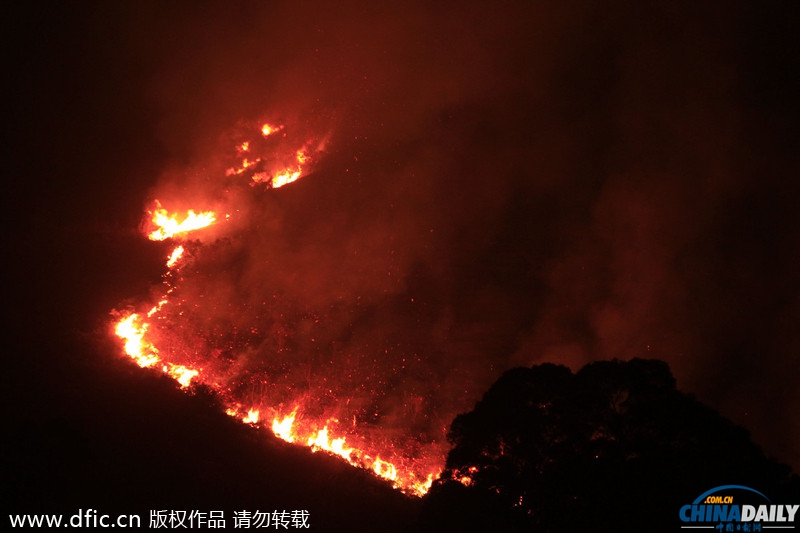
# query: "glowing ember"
169, 226
156, 308
245, 164
465, 478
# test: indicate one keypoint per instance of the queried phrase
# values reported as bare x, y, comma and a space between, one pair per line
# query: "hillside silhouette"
615, 446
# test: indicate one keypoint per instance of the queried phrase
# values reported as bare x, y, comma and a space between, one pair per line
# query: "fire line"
151, 346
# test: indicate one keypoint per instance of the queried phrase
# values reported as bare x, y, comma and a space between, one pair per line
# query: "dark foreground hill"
612, 447
86, 430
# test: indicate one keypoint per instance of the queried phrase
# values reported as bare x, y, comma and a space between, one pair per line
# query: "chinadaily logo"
736, 508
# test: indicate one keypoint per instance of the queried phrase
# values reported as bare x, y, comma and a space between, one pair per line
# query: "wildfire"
141, 332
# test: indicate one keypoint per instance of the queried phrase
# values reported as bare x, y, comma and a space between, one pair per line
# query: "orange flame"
285, 178
284, 428
246, 163
169, 226
274, 178
176, 254
132, 330
252, 417
181, 374
465, 478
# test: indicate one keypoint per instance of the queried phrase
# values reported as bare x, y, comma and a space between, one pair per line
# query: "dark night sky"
550, 183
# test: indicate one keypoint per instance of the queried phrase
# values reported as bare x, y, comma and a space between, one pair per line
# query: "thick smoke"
499, 185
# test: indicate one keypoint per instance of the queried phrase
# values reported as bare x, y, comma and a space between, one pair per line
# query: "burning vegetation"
263, 381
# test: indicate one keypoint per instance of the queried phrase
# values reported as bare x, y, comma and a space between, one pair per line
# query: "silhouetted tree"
614, 447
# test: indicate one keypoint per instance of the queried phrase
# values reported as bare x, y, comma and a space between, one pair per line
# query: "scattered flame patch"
259, 163
465, 477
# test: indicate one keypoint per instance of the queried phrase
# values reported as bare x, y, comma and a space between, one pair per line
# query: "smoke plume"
492, 185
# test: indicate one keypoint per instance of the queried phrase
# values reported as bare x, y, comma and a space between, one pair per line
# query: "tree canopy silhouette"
614, 446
